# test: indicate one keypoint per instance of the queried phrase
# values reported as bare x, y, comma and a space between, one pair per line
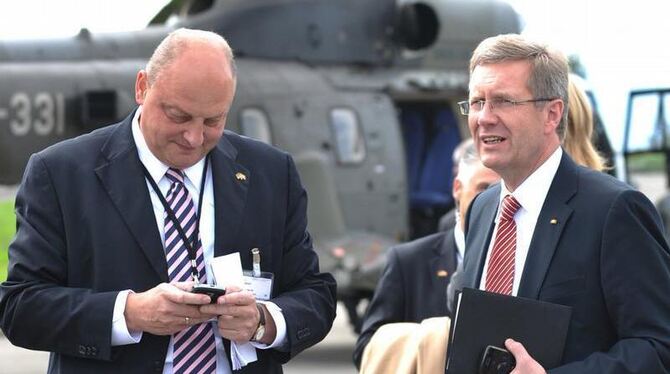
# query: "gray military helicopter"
362, 93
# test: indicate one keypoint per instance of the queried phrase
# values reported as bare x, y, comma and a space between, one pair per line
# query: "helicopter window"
349, 143
255, 125
649, 119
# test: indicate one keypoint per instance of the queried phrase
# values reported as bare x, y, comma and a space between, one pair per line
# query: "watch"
260, 330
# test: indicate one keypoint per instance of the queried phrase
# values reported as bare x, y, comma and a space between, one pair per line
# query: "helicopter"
647, 112
361, 93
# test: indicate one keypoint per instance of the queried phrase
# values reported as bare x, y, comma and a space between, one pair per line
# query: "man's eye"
503, 103
177, 119
477, 104
212, 122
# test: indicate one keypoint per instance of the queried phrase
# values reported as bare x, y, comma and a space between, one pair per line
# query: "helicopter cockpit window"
255, 124
349, 143
649, 122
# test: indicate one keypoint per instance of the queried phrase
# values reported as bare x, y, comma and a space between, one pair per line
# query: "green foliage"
7, 230
646, 162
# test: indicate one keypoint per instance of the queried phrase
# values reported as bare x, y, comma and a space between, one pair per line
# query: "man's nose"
194, 135
486, 114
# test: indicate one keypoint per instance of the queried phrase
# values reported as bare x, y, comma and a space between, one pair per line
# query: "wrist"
259, 333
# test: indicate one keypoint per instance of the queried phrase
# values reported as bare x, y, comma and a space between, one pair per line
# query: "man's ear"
554, 115
456, 189
141, 85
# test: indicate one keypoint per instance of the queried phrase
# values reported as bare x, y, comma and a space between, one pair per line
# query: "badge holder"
260, 285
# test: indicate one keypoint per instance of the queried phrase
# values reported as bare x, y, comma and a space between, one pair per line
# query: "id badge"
260, 286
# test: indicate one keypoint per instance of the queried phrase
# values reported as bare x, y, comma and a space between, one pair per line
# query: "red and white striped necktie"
194, 346
500, 273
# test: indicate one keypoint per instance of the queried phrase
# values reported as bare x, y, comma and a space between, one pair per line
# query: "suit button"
158, 366
303, 333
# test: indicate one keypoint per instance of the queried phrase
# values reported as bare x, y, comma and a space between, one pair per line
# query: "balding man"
115, 226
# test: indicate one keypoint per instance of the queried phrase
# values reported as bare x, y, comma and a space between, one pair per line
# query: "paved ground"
7, 192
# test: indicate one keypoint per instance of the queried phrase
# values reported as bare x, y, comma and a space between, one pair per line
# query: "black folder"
484, 318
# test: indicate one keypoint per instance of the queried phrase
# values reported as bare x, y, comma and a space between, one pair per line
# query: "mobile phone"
496, 360
212, 291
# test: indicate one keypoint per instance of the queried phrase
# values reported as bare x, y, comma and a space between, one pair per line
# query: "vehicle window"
349, 143
649, 122
255, 124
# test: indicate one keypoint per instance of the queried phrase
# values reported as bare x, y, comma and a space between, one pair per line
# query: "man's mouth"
492, 139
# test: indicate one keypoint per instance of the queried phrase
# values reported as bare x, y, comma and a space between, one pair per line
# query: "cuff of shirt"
120, 333
280, 324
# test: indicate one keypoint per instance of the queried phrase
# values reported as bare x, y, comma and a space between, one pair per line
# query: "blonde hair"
579, 132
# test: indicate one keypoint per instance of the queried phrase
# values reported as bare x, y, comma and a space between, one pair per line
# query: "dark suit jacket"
605, 256
86, 229
410, 289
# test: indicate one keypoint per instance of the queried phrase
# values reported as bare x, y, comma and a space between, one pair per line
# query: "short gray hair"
177, 41
549, 67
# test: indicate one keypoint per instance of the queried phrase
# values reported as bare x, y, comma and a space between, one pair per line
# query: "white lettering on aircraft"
43, 113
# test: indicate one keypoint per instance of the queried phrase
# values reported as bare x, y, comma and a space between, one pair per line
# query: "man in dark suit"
581, 238
89, 279
424, 266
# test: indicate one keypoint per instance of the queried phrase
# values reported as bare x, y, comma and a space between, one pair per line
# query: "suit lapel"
482, 221
442, 260
550, 224
231, 182
121, 176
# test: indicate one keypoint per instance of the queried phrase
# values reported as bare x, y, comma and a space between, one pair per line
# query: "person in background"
115, 227
578, 141
412, 287
580, 237
448, 220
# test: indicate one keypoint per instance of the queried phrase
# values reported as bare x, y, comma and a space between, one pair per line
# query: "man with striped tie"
116, 226
558, 232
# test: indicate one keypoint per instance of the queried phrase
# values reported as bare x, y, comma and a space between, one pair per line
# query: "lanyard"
190, 243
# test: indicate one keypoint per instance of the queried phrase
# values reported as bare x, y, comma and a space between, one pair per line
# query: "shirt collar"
533, 191
156, 167
459, 237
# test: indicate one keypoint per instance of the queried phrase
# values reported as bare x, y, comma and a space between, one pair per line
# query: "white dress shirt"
531, 195
192, 181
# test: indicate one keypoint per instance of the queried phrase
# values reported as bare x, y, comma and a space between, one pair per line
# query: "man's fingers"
525, 364
237, 298
232, 288
184, 286
515, 348
179, 293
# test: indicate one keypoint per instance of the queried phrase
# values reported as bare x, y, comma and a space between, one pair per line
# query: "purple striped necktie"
500, 273
194, 346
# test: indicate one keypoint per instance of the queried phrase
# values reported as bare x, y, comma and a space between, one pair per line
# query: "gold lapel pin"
240, 177
442, 273
553, 221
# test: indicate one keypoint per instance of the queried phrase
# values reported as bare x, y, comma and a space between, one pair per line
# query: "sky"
25, 19
623, 44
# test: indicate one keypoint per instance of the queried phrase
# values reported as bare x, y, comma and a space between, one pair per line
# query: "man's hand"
238, 316
165, 309
524, 363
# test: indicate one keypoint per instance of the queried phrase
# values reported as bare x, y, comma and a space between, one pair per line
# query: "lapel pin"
442, 273
240, 177
553, 221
